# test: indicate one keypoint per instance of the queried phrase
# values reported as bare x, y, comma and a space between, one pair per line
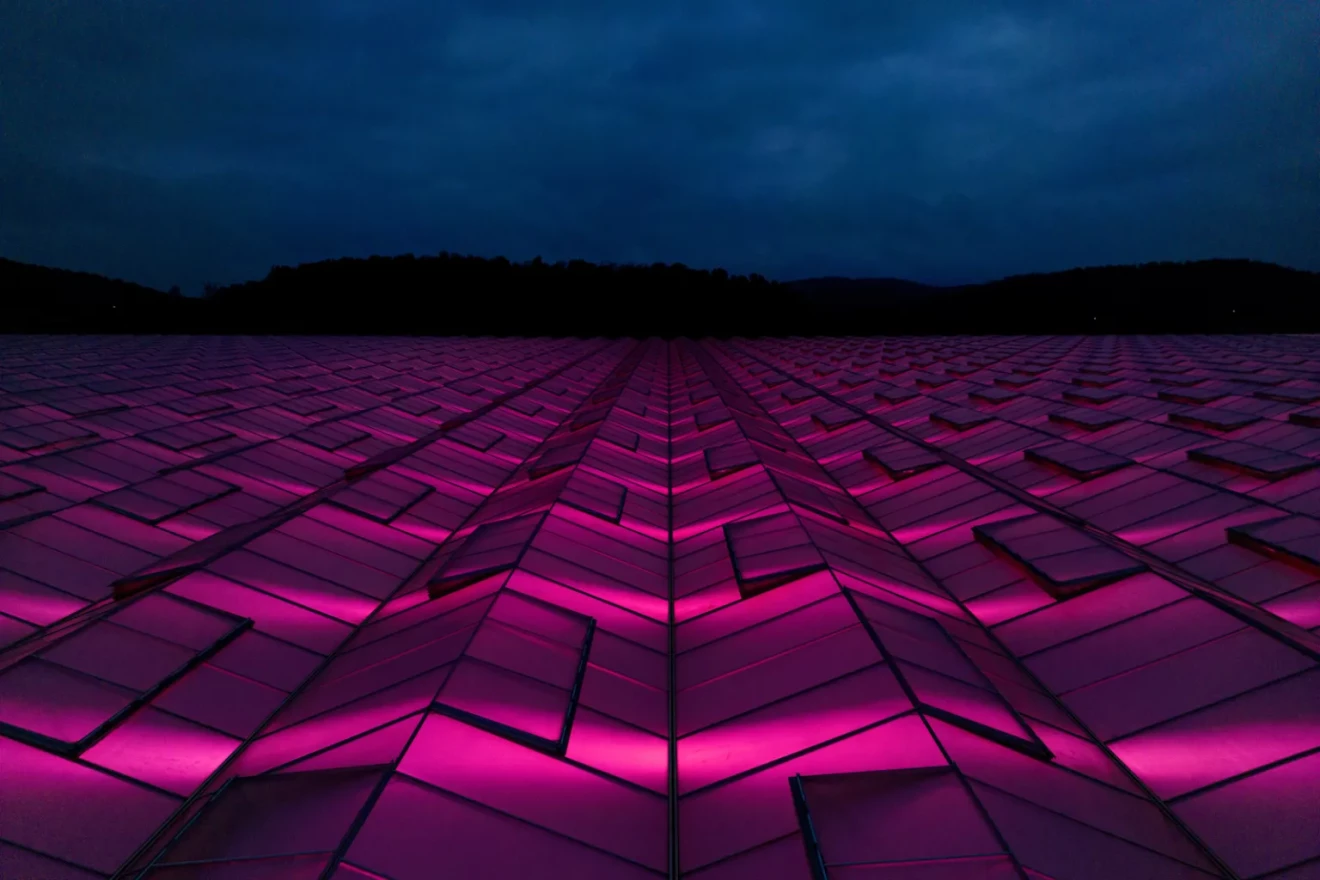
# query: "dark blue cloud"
946, 140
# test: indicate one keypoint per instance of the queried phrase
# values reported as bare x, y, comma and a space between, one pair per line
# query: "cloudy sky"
943, 140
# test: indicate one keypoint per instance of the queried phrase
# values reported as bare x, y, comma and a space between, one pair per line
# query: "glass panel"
162, 750
71, 810
119, 655
57, 703
891, 816
530, 785
506, 698
273, 815
413, 829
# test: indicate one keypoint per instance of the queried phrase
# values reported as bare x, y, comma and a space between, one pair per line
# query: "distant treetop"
453, 294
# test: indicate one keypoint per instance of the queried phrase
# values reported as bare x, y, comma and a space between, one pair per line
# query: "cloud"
946, 140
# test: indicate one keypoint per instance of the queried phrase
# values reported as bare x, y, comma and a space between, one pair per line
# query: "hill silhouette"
450, 294
41, 299
1205, 296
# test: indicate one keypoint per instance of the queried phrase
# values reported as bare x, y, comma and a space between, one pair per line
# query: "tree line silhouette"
451, 294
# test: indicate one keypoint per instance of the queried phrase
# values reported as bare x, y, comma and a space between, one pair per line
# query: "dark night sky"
941, 140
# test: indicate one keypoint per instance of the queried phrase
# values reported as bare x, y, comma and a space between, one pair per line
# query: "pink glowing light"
162, 750
751, 571
620, 750
829, 711
539, 788
63, 801
339, 725
1201, 751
